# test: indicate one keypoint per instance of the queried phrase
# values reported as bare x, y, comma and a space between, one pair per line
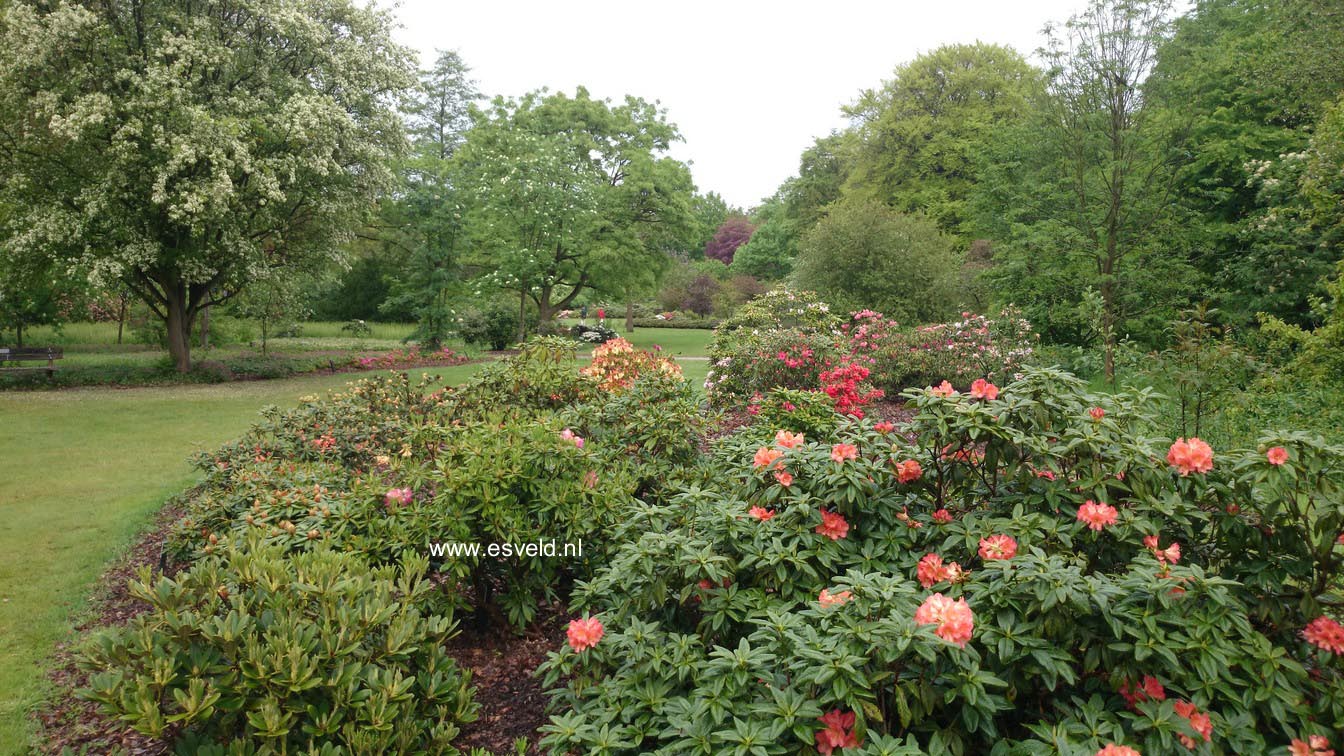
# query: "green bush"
542, 376
955, 587
784, 339
254, 650
495, 326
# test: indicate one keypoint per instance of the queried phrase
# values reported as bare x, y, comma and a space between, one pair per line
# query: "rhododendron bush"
1012, 572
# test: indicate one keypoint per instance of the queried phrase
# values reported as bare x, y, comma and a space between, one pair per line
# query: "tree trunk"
178, 325
263, 337
629, 317
205, 328
121, 318
522, 316
18, 332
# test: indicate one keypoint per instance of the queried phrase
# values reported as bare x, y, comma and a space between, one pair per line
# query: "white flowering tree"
184, 148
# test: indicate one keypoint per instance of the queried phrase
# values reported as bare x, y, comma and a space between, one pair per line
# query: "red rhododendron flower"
908, 471
983, 389
833, 525
761, 513
784, 477
1111, 749
1150, 689
884, 427
1097, 515
765, 457
1199, 721
1277, 456
1316, 745
1190, 455
788, 440
834, 599
839, 732
998, 547
842, 452
1097, 413
954, 619
1325, 633
942, 389
584, 633
942, 516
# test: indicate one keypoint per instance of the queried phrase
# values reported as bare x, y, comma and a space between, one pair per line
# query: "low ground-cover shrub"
256, 650
1020, 570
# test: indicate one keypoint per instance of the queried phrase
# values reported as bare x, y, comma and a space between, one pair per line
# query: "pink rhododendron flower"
833, 525
1325, 633
396, 496
908, 471
1111, 749
1169, 555
942, 389
942, 516
983, 389
1097, 515
884, 427
765, 457
1316, 745
761, 513
954, 618
842, 452
1190, 455
584, 633
568, 435
1277, 456
784, 477
839, 732
834, 599
590, 479
1097, 413
1198, 720
788, 440
998, 547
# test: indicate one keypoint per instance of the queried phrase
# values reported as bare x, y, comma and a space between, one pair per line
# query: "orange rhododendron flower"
908, 471
942, 516
1198, 720
784, 477
954, 619
761, 513
884, 427
1277, 456
1097, 515
998, 547
833, 525
942, 389
765, 457
1325, 633
983, 389
1190, 455
584, 633
1316, 745
842, 452
839, 732
1111, 749
788, 439
834, 599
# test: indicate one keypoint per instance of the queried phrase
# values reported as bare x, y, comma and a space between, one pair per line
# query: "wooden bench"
10, 355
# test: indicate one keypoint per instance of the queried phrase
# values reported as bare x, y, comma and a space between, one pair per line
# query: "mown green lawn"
81, 473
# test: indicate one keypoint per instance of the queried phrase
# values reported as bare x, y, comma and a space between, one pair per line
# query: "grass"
678, 342
86, 469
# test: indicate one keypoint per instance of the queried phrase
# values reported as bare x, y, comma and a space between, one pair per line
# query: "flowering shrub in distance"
616, 364
982, 614
782, 339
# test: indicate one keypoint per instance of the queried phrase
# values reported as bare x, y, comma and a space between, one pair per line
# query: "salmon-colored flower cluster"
884, 427
930, 571
1169, 555
942, 517
1097, 413
1097, 515
834, 599
839, 732
1198, 720
1277, 456
788, 439
766, 457
761, 513
1148, 689
617, 364
998, 547
833, 525
584, 633
955, 621
1316, 745
1111, 749
983, 389
1190, 455
784, 477
908, 471
842, 452
1325, 633
942, 389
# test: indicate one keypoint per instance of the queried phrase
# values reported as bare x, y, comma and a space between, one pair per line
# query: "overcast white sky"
749, 83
